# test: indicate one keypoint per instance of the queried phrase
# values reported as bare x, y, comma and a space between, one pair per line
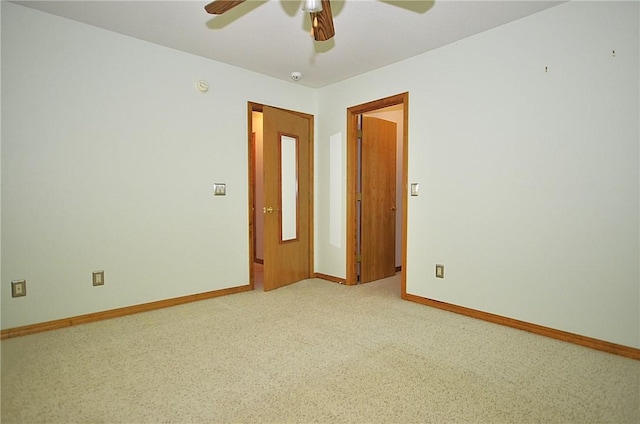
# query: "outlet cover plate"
439, 271
98, 278
18, 288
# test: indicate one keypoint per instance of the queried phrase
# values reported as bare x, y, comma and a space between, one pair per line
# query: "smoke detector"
202, 86
296, 76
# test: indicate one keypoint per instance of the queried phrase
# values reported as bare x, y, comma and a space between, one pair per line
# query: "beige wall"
109, 156
529, 179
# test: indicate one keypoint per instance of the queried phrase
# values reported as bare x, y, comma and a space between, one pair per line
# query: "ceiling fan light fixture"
312, 6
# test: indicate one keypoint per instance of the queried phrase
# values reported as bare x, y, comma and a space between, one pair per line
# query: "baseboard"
114, 313
589, 342
330, 278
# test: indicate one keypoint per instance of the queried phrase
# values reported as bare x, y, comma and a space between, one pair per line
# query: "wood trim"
312, 225
115, 313
352, 114
352, 166
577, 339
405, 194
329, 278
589, 342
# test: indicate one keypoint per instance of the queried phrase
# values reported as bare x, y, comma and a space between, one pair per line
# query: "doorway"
394, 108
280, 196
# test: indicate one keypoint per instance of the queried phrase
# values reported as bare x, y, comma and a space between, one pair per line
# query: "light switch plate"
414, 189
219, 189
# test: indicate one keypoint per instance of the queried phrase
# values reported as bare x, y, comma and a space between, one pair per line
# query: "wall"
529, 179
109, 155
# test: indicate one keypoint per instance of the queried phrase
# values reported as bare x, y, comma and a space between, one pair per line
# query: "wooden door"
378, 204
287, 165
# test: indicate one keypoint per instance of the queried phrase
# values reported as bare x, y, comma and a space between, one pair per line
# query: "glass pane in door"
288, 187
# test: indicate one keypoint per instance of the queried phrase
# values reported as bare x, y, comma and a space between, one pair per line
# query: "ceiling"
271, 37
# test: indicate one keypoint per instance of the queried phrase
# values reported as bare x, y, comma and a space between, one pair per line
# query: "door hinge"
359, 133
358, 258
359, 197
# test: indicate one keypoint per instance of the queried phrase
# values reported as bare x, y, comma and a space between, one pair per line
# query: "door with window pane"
287, 197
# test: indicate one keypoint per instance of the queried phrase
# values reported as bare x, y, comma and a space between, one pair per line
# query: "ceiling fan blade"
322, 23
218, 7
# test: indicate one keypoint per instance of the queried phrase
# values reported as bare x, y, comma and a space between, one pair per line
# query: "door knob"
267, 210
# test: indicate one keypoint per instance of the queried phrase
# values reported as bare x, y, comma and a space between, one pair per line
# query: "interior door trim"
352, 158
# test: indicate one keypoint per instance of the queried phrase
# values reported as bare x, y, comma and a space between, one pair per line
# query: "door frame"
258, 107
352, 178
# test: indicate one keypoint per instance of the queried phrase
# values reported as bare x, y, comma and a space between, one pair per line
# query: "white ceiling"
272, 36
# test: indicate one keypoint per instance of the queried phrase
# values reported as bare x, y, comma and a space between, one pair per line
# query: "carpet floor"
314, 351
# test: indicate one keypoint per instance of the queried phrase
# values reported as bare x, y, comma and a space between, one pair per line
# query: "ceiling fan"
319, 11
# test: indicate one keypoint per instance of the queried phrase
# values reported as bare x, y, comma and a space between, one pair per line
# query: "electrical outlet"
98, 278
439, 271
18, 288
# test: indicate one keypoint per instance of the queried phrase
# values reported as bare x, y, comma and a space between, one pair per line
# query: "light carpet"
315, 351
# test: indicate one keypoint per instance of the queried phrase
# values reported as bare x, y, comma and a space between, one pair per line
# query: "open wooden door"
378, 204
353, 189
288, 203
